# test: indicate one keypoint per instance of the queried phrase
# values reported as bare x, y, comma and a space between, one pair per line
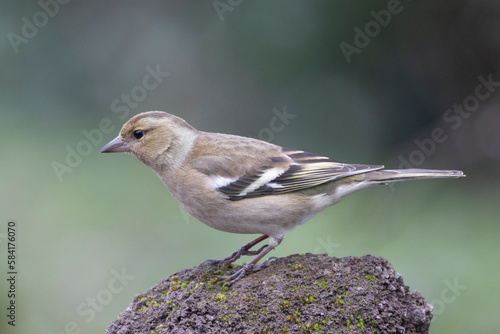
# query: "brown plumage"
244, 185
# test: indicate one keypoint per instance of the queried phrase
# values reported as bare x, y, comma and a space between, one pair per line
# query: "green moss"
152, 303
360, 323
339, 300
284, 330
285, 304
220, 297
308, 299
295, 317
307, 327
371, 278
266, 330
227, 266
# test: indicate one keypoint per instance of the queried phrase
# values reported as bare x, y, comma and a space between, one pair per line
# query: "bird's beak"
116, 145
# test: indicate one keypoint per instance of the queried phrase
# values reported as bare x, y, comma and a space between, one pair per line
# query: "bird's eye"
138, 134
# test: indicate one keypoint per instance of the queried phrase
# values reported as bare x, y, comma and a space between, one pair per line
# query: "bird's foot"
236, 255
231, 279
247, 268
244, 250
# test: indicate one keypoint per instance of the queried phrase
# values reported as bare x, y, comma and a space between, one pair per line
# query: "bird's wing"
288, 171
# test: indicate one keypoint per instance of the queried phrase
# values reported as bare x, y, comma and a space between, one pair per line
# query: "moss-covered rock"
295, 294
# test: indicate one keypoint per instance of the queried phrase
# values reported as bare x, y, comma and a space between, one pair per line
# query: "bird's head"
156, 138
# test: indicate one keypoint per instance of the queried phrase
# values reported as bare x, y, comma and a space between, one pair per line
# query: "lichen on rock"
295, 294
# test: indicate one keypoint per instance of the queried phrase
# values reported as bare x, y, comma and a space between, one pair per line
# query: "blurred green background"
376, 82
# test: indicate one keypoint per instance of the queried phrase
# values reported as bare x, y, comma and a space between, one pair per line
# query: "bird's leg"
251, 266
244, 250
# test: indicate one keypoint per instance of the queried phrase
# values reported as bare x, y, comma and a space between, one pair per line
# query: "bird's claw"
267, 262
236, 255
231, 279
247, 268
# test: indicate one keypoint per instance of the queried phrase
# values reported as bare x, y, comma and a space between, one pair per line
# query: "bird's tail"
357, 182
394, 175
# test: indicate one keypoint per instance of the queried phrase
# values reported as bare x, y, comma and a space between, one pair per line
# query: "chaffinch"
244, 185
